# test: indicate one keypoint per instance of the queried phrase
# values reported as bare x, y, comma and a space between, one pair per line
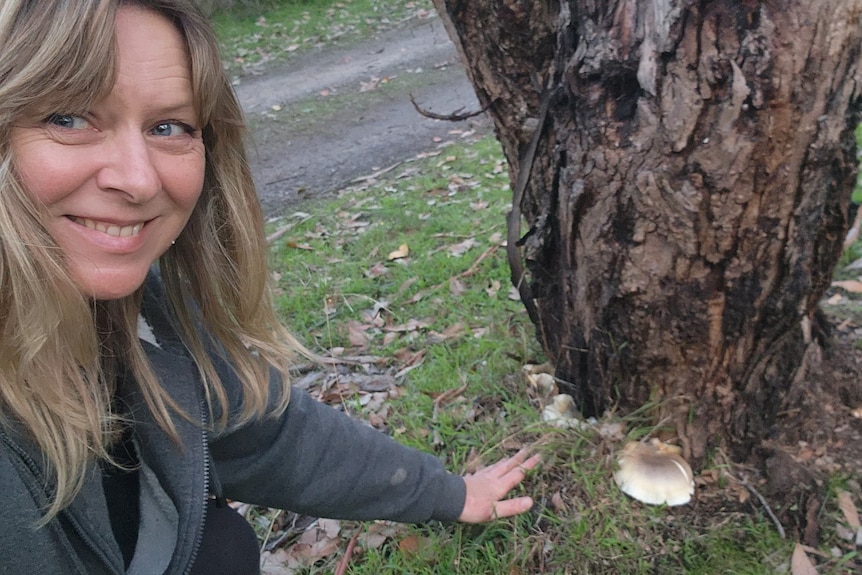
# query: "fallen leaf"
370, 85
376, 271
457, 287
848, 508
356, 334
852, 286
479, 332
459, 249
378, 533
409, 544
800, 564
453, 331
402, 252
298, 246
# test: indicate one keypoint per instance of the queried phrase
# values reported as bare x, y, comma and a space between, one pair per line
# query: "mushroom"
654, 473
561, 412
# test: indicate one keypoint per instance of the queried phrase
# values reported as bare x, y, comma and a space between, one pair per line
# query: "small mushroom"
654, 473
543, 383
561, 412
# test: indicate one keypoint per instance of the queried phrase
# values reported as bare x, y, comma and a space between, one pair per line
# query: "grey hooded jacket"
313, 460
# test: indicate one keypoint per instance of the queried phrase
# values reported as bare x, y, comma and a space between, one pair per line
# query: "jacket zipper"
197, 542
37, 474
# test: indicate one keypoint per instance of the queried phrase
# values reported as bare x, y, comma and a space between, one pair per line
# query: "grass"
267, 31
334, 274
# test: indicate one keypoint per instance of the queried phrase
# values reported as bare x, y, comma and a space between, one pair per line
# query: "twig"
446, 396
478, 261
454, 117
269, 531
513, 218
763, 502
375, 175
348, 553
278, 233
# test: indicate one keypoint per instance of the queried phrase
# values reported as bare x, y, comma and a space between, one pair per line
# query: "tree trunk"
687, 199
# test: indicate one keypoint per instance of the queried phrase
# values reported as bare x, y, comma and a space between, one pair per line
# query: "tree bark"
687, 198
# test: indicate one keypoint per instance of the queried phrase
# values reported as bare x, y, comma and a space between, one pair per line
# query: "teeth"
110, 229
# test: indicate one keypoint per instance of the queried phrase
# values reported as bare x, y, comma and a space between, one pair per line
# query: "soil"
292, 162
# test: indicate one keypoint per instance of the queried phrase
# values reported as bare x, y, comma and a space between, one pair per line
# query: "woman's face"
120, 181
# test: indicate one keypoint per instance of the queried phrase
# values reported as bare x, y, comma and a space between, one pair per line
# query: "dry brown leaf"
356, 334
376, 271
409, 545
402, 252
456, 287
298, 246
377, 534
800, 564
848, 508
454, 330
459, 249
835, 299
853, 286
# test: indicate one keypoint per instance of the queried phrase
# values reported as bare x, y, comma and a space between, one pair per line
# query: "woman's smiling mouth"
108, 228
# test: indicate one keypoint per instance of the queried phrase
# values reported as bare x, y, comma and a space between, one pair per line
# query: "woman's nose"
128, 167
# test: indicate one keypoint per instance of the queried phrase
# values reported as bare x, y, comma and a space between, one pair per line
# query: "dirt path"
294, 159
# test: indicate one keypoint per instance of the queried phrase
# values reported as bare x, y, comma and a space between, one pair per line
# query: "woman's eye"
68, 121
171, 129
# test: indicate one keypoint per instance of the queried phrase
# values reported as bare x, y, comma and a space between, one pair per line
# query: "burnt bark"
687, 197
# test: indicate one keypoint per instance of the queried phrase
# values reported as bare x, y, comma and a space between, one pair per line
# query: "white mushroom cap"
654, 473
562, 412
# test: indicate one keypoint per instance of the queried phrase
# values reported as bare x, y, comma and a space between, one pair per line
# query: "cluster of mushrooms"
652, 472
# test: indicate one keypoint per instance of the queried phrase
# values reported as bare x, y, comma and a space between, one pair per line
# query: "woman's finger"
509, 507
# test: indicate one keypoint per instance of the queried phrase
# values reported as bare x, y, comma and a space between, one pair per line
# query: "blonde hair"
61, 352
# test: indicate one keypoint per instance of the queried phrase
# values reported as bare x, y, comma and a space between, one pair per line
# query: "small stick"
478, 261
455, 117
763, 502
348, 553
269, 530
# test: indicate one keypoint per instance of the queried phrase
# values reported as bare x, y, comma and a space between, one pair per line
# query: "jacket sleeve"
316, 460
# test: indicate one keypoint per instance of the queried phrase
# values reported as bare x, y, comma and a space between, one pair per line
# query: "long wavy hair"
60, 352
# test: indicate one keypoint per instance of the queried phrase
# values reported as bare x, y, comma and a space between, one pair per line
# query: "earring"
174, 242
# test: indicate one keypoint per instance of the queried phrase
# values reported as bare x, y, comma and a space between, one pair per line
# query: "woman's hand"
487, 487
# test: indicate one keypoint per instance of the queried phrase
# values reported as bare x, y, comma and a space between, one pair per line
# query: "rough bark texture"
687, 200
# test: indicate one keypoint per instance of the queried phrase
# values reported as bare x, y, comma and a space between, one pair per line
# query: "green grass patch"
343, 291
257, 33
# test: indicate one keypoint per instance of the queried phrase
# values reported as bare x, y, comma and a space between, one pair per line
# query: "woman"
133, 401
